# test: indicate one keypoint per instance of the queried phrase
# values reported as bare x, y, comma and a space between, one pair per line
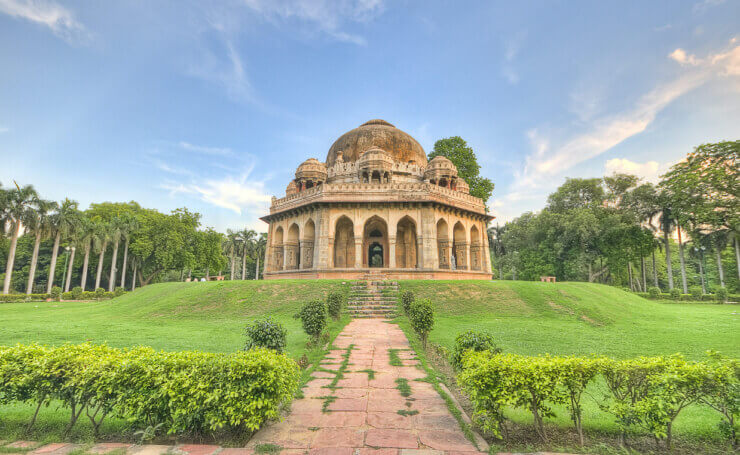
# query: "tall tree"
248, 241
231, 244
101, 239
74, 237
40, 226
18, 206
88, 231
463, 157
117, 225
64, 221
130, 226
260, 247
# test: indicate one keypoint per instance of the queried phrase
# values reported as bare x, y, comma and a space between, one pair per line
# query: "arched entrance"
459, 248
375, 241
375, 255
406, 243
344, 244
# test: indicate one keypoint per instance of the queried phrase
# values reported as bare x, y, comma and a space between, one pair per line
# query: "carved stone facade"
377, 203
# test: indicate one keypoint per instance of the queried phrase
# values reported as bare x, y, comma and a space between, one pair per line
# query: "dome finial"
377, 121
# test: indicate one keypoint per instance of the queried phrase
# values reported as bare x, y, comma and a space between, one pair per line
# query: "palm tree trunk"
100, 265
133, 280
629, 273
123, 269
11, 257
231, 272
683, 263
257, 267
644, 273
208, 273
53, 265
737, 256
668, 265
720, 269
244, 266
655, 271
34, 262
112, 281
69, 269
83, 279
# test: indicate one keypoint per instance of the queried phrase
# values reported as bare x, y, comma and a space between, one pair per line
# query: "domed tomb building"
377, 205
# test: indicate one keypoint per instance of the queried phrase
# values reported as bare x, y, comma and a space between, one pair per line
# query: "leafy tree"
463, 157
313, 318
65, 221
40, 225
266, 333
421, 316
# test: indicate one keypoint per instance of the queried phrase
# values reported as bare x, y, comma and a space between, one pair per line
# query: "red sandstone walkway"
362, 412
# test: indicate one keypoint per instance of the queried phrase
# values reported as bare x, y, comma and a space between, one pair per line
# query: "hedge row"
10, 298
85, 295
645, 393
689, 297
180, 392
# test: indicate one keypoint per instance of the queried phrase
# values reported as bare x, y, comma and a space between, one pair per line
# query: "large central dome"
377, 134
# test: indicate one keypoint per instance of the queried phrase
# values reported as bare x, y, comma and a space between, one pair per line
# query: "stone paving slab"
107, 447
23, 445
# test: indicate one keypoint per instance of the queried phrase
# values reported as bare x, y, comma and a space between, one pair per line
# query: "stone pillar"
461, 254
307, 254
443, 251
279, 257
419, 253
358, 253
324, 250
392, 252
292, 251
475, 256
428, 238
486, 253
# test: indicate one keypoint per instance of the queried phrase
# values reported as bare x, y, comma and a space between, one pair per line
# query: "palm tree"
40, 225
75, 236
88, 230
117, 225
230, 246
64, 221
248, 245
130, 226
260, 246
17, 207
101, 239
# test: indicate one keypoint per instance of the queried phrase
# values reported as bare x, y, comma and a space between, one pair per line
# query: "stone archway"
277, 249
443, 244
307, 244
344, 243
375, 231
375, 255
292, 250
475, 249
406, 248
459, 247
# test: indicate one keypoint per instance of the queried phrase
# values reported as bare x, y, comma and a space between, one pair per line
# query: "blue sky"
212, 105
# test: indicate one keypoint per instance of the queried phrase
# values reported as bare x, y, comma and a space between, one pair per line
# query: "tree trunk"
133, 280
85, 262
737, 256
123, 269
53, 265
668, 265
231, 272
34, 262
244, 266
644, 273
100, 265
720, 269
257, 268
701, 273
69, 269
208, 274
112, 281
11, 257
655, 271
683, 263
629, 274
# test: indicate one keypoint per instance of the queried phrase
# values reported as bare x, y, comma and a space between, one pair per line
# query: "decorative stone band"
378, 192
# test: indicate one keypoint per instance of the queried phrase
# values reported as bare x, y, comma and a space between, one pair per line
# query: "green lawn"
534, 318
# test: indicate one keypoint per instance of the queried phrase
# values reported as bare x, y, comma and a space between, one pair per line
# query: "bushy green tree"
334, 303
472, 340
313, 318
421, 316
266, 333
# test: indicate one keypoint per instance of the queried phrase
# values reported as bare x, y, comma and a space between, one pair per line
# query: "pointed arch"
475, 249
443, 244
344, 243
375, 242
277, 248
292, 250
307, 244
406, 248
459, 247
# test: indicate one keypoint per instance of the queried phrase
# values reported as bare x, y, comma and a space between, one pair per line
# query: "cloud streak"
48, 14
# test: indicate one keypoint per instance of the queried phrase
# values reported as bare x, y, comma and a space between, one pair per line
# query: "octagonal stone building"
377, 206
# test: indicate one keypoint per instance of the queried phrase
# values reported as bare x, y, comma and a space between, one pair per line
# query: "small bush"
675, 294
119, 291
695, 292
313, 318
407, 298
76, 293
721, 294
266, 333
654, 292
472, 340
56, 293
99, 293
421, 315
334, 303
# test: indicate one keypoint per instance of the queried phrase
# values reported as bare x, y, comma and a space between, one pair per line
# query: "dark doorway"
375, 255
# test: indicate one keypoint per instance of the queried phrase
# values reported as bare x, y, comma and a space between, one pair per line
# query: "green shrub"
334, 303
421, 316
675, 294
76, 293
183, 392
654, 292
119, 291
56, 293
99, 293
12, 298
407, 298
472, 340
721, 294
313, 318
695, 292
266, 333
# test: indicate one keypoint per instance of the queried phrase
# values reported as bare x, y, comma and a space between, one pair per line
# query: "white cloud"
47, 13
329, 16
205, 150
237, 194
649, 171
4, 129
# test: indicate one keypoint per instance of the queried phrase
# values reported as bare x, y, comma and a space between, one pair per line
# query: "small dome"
291, 189
440, 166
311, 169
463, 186
375, 156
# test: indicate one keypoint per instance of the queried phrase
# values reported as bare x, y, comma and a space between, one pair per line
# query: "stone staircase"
373, 297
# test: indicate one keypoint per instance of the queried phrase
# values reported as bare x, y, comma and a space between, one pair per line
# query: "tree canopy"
463, 157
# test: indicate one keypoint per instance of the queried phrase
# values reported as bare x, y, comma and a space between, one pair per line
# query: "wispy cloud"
649, 171
237, 193
222, 151
48, 14
4, 129
224, 67
512, 46
328, 16
704, 5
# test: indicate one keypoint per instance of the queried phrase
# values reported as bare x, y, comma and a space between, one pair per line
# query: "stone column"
486, 252
419, 253
324, 249
461, 254
392, 252
307, 254
428, 240
358, 253
443, 251
279, 257
475, 258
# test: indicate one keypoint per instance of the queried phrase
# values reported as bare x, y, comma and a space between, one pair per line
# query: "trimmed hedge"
71, 295
720, 296
184, 392
645, 394
12, 298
